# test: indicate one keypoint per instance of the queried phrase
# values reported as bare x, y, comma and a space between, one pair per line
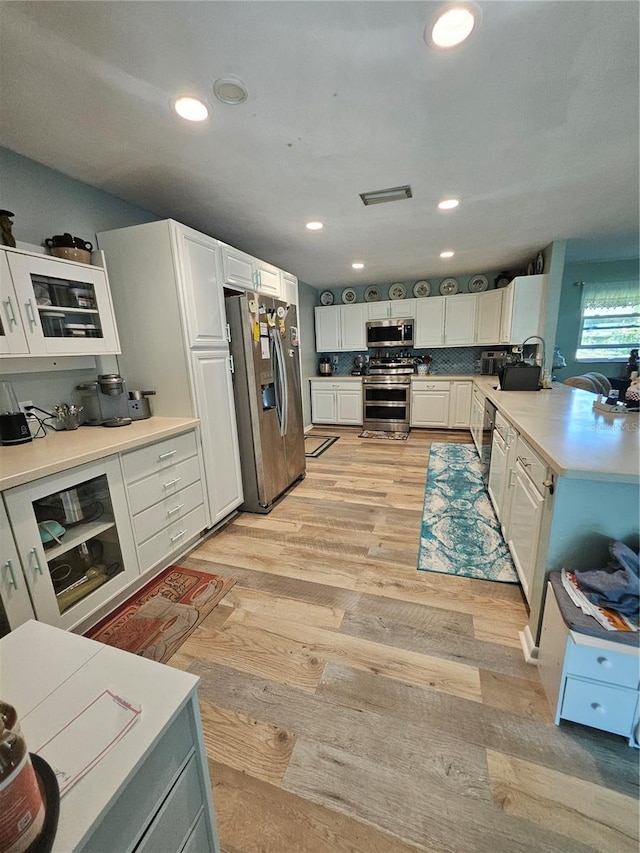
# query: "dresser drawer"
170, 509
600, 706
610, 667
162, 484
171, 538
535, 467
155, 457
176, 818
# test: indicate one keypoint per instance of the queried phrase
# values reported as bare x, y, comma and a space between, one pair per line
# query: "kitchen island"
590, 487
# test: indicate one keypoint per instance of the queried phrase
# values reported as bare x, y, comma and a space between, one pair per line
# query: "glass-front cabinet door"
15, 603
64, 307
75, 540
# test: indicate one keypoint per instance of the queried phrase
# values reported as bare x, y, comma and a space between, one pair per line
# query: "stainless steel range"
387, 394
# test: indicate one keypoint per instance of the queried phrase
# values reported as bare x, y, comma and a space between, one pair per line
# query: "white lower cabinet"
526, 504
75, 541
15, 604
497, 473
151, 791
460, 405
477, 417
166, 498
430, 404
336, 402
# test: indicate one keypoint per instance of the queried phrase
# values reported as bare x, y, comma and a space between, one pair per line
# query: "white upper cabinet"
54, 307
460, 320
400, 308
267, 279
289, 288
489, 313
341, 328
201, 290
237, 268
429, 330
523, 304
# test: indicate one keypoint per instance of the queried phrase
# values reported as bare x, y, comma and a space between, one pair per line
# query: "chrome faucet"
544, 353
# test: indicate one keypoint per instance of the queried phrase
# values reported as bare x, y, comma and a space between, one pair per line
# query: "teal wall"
46, 202
569, 311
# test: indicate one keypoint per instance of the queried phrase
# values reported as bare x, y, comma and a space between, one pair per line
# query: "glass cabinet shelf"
88, 531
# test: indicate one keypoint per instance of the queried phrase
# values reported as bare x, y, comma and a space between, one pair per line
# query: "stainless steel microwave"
390, 333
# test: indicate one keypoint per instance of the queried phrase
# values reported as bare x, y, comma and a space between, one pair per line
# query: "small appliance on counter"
105, 402
139, 407
360, 365
492, 361
520, 377
14, 428
325, 366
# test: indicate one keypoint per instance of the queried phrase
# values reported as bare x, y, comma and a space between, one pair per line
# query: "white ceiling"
533, 123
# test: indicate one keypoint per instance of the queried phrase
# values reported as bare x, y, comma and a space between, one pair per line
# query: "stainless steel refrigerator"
266, 385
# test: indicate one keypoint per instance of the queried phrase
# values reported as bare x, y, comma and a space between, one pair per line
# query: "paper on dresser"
80, 744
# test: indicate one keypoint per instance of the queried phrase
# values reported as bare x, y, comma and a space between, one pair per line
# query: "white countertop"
60, 451
576, 441
336, 378
414, 377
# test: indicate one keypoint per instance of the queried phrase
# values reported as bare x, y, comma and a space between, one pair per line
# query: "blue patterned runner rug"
460, 534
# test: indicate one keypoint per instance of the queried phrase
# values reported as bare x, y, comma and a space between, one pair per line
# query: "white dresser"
151, 792
590, 680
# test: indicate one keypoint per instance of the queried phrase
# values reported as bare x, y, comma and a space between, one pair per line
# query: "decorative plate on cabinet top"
422, 288
531, 267
448, 287
348, 295
539, 263
326, 297
372, 294
478, 283
503, 280
397, 291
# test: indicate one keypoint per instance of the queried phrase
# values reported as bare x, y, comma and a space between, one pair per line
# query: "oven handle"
384, 386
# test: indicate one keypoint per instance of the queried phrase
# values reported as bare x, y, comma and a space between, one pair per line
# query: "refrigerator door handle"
280, 377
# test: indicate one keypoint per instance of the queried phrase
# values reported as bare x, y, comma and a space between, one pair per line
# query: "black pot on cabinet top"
66, 241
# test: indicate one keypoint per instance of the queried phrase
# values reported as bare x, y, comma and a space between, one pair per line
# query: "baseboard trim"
529, 648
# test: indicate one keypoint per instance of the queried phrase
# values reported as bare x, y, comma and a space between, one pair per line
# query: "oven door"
386, 406
487, 438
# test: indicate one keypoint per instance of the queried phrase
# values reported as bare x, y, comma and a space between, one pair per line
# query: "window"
610, 323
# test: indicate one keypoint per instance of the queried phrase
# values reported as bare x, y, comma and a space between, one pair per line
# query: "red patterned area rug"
155, 621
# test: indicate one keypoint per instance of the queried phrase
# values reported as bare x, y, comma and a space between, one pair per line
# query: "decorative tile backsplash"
446, 360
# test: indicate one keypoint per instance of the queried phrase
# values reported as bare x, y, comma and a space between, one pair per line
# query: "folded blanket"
617, 586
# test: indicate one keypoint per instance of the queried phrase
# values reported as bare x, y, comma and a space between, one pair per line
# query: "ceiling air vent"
392, 194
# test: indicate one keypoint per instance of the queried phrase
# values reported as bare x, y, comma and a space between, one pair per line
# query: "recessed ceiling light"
453, 25
230, 90
358, 266
446, 254
190, 108
314, 226
448, 203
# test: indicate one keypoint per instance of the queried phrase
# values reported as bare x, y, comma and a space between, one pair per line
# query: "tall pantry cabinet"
169, 301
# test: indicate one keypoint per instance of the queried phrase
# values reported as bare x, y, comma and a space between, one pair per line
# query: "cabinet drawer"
598, 705
336, 386
170, 539
431, 385
534, 466
140, 463
502, 425
198, 841
163, 484
126, 821
171, 509
173, 824
610, 667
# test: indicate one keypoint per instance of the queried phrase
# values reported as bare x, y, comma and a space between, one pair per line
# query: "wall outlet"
25, 403
335, 360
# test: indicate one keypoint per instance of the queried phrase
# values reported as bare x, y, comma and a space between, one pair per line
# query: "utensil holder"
69, 421
423, 369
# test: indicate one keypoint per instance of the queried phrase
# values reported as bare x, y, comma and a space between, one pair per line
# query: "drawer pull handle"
12, 577
605, 662
178, 536
171, 483
175, 509
168, 454
598, 708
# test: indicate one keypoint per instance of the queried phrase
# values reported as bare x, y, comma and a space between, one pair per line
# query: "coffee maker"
13, 422
105, 402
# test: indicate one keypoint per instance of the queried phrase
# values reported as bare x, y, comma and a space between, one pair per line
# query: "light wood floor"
353, 704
